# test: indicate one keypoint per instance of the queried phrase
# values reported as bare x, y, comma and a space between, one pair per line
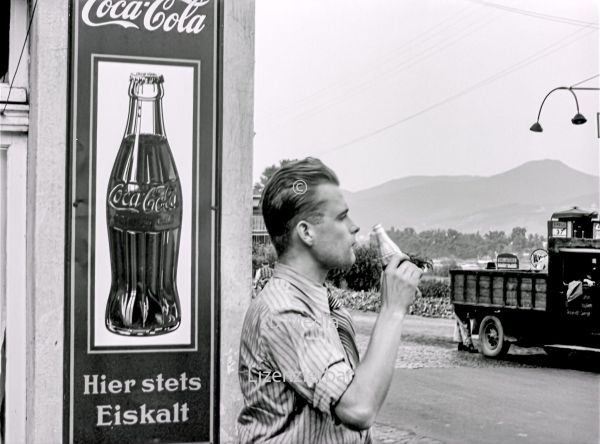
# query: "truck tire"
491, 337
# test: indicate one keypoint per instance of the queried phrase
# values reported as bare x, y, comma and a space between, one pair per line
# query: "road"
440, 395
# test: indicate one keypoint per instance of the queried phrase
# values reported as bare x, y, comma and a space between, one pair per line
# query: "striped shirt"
297, 357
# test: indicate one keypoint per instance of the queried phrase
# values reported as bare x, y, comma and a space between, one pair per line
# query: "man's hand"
363, 398
400, 281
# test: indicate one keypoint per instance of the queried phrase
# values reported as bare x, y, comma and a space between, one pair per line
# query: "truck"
555, 306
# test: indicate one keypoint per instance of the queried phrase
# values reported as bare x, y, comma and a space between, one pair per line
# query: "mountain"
524, 196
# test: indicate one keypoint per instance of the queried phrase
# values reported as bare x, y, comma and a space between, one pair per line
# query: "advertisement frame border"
215, 220
193, 347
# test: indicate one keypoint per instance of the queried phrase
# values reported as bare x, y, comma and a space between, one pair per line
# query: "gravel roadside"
428, 343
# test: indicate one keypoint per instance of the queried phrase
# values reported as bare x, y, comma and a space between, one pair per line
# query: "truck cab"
574, 274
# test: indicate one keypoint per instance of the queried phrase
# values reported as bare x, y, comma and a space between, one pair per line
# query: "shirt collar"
314, 291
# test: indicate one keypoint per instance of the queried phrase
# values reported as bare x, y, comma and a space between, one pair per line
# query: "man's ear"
305, 233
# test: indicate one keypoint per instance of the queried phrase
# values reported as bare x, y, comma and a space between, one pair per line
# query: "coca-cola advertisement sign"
158, 15
141, 319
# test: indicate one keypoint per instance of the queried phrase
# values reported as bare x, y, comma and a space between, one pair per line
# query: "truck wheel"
491, 337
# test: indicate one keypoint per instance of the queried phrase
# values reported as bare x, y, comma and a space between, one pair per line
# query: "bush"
434, 289
443, 270
358, 300
364, 275
434, 300
261, 253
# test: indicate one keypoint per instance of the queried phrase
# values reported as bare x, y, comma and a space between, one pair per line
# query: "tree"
454, 244
518, 237
263, 253
267, 173
497, 241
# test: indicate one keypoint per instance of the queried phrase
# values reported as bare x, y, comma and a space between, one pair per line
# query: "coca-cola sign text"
157, 199
152, 15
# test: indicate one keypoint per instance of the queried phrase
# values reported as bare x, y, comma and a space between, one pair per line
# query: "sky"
386, 89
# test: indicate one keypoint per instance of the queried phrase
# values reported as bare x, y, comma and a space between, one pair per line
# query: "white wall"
46, 166
40, 310
236, 200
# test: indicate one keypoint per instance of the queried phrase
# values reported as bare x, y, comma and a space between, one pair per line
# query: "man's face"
334, 236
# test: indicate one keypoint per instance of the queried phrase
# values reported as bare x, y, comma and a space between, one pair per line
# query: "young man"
299, 368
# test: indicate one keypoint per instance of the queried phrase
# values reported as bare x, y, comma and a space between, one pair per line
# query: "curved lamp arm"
570, 89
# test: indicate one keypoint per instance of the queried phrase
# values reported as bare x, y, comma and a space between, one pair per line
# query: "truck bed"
516, 289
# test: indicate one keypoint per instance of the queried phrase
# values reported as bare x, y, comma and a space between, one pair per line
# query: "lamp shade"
578, 119
537, 128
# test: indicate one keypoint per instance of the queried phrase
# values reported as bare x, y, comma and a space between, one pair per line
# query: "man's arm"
361, 401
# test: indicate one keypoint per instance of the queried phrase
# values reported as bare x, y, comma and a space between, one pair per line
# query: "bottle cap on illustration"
146, 85
146, 77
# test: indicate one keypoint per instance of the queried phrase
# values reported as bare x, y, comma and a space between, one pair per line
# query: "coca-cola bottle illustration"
143, 212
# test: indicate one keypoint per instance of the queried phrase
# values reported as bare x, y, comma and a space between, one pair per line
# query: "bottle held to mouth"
385, 246
388, 248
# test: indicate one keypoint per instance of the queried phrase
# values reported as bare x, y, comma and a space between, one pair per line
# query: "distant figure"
462, 335
262, 276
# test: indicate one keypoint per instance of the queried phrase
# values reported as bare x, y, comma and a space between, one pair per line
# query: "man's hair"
289, 197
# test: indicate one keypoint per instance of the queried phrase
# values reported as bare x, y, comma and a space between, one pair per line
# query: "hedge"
434, 300
363, 275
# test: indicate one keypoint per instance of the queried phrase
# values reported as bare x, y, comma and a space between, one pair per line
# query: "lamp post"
578, 118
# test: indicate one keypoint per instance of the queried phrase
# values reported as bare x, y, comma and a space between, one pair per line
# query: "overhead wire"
586, 80
319, 93
388, 71
515, 67
537, 15
420, 38
403, 66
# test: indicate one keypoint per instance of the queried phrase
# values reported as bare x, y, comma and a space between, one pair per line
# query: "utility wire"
392, 56
392, 69
517, 66
403, 66
20, 57
346, 94
583, 81
538, 15
529, 13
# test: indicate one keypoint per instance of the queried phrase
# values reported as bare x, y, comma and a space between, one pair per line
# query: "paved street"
440, 395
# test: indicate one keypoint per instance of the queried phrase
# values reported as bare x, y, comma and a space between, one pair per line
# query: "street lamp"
578, 118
